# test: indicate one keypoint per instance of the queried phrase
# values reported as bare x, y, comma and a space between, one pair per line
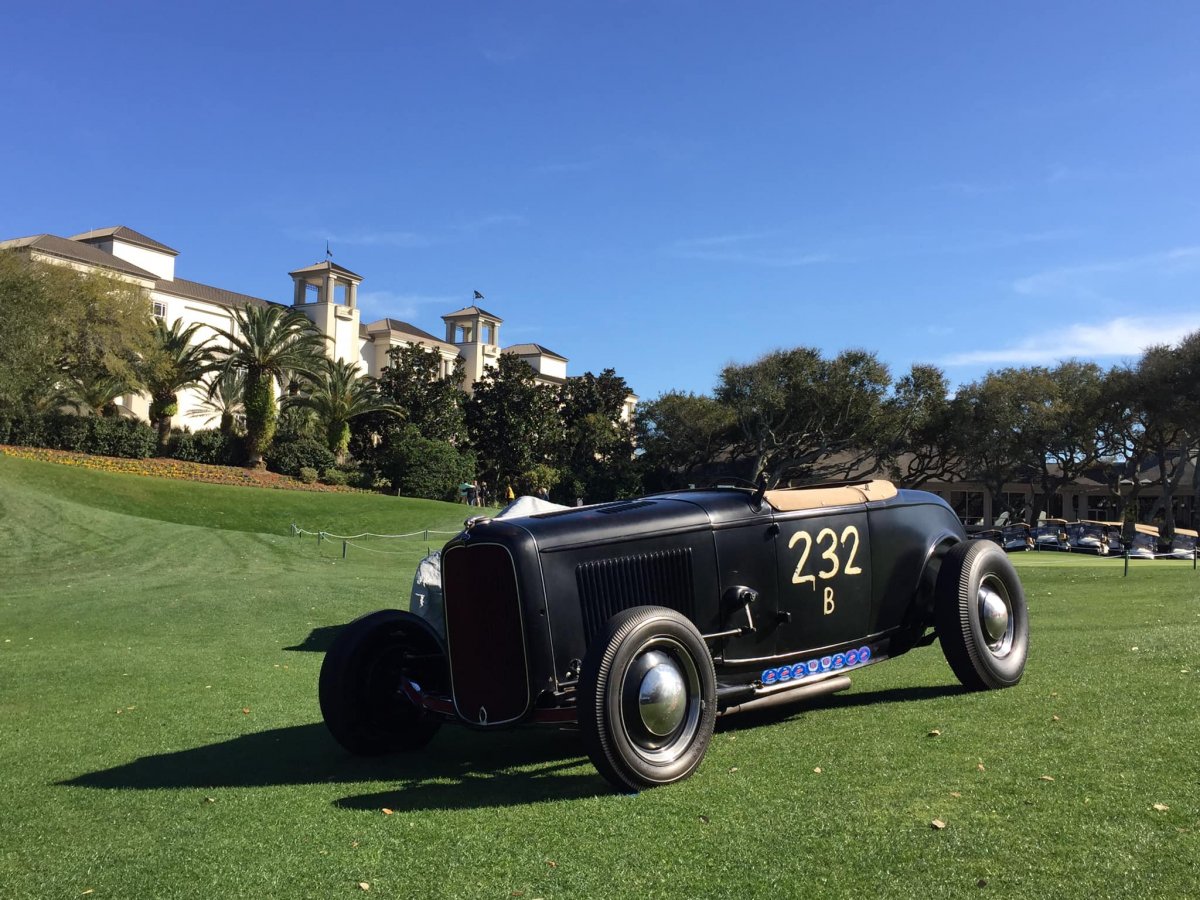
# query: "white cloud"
364, 238
394, 305
492, 220
1121, 337
568, 167
1074, 280
756, 248
972, 189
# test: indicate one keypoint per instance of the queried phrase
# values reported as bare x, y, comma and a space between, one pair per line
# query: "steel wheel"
647, 698
367, 679
981, 615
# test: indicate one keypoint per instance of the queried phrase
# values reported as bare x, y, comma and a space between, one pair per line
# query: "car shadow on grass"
758, 717
319, 639
460, 769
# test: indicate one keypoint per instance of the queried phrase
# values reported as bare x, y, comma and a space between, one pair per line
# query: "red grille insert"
488, 670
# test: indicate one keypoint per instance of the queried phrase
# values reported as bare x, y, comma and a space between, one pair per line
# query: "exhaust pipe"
791, 695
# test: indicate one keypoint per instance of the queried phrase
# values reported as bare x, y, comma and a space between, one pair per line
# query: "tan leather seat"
789, 499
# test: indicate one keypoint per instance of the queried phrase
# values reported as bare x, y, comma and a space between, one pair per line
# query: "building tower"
328, 294
476, 333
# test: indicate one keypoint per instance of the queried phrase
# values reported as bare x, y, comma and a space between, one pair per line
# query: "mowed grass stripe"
110, 602
230, 507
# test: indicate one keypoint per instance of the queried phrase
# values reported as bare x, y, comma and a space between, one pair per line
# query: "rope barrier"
348, 544
297, 531
349, 539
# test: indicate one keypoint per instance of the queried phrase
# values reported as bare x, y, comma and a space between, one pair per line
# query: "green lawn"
160, 737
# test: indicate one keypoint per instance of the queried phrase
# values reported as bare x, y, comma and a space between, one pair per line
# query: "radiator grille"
607, 586
484, 634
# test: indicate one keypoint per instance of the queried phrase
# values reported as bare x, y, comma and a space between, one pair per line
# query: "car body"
1051, 534
642, 620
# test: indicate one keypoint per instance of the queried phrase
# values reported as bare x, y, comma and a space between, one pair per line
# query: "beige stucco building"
325, 292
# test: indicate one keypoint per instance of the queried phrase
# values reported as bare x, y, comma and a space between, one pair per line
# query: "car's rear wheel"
981, 616
647, 698
376, 666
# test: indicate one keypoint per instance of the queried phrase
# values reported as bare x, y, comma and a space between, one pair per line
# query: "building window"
158, 309
489, 333
1018, 505
968, 506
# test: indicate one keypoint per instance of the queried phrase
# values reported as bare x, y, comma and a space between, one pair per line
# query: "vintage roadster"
644, 620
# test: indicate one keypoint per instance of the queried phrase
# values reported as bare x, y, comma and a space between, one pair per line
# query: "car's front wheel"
981, 616
647, 698
376, 666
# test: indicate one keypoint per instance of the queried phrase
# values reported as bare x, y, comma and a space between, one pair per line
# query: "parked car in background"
988, 534
1145, 542
1112, 531
642, 621
1183, 545
1016, 537
1051, 534
1089, 536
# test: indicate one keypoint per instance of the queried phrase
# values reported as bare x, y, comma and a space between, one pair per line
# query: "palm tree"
338, 394
270, 341
93, 393
174, 362
223, 401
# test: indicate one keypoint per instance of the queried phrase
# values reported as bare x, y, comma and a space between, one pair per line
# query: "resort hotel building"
325, 292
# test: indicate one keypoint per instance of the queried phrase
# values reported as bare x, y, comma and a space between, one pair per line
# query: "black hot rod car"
644, 620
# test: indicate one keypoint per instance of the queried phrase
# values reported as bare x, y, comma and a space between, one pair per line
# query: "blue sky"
661, 187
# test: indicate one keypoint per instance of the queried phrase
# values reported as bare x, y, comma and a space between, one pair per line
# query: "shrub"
308, 475
334, 477
289, 457
121, 437
83, 434
419, 467
211, 446
27, 431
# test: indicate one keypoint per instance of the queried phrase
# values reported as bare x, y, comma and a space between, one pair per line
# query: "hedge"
211, 446
129, 438
289, 457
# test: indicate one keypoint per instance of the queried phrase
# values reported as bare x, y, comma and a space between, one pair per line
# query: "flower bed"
174, 468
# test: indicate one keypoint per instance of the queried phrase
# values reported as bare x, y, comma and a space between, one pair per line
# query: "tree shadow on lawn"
461, 769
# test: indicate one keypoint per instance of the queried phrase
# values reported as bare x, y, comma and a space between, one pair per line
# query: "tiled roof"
473, 311
194, 290
77, 251
408, 330
128, 235
533, 350
326, 265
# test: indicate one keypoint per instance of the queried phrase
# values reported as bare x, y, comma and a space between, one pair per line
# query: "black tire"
633, 741
985, 651
360, 688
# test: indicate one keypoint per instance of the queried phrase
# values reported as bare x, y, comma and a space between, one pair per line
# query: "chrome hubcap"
995, 615
662, 697
660, 700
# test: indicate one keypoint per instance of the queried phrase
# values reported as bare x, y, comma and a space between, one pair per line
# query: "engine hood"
624, 520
